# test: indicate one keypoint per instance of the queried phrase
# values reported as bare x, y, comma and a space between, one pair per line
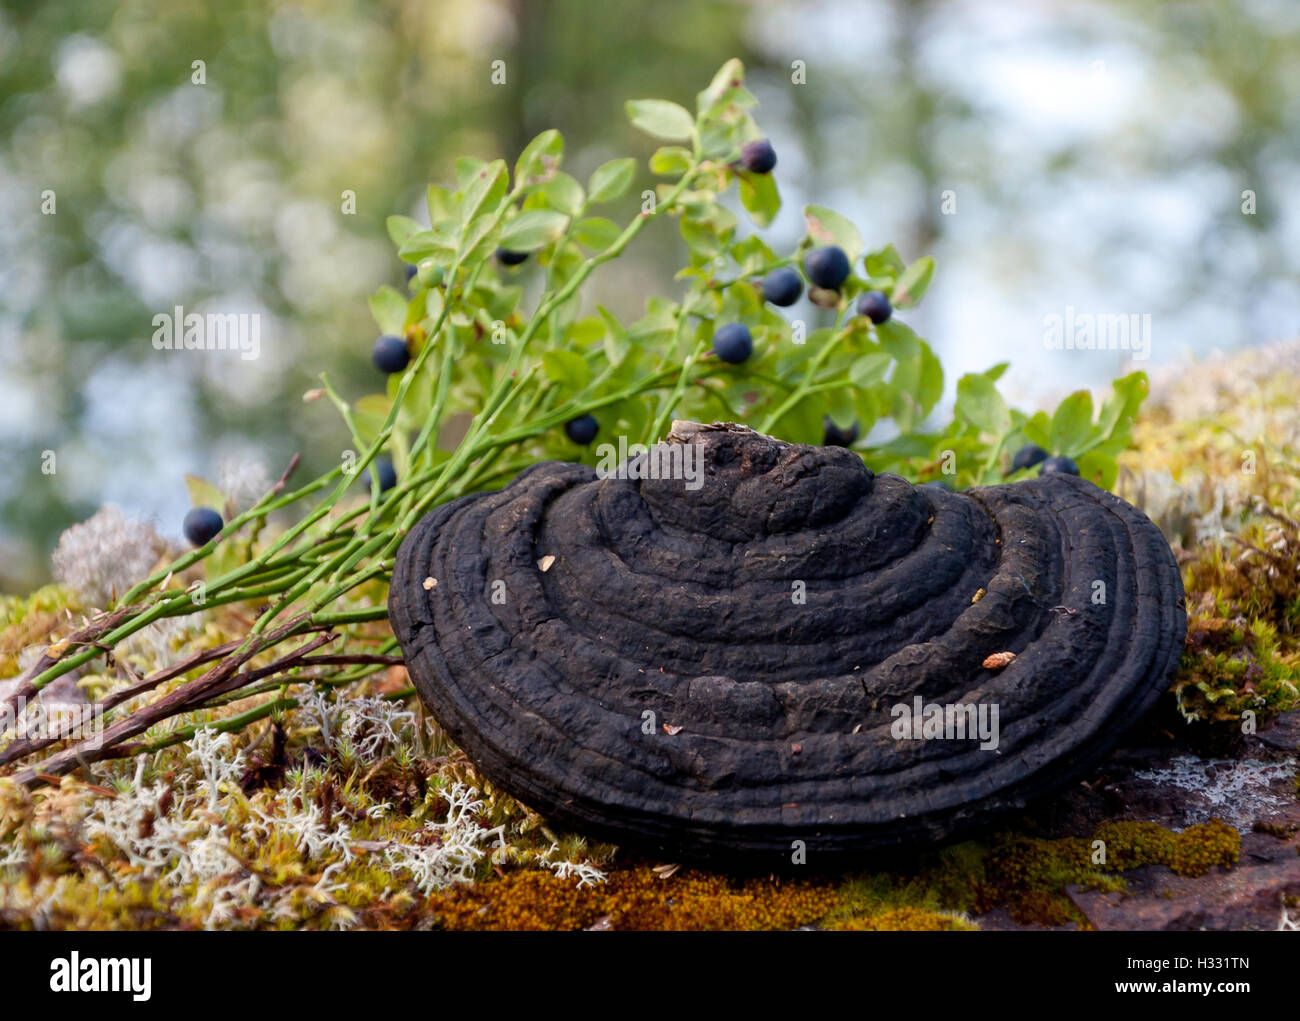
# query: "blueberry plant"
543, 378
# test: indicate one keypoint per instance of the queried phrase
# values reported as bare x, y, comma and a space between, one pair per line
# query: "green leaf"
671, 161
616, 348
870, 369
752, 254
583, 333
468, 168
388, 306
595, 232
204, 494
502, 301
566, 368
1071, 424
400, 228
439, 239
369, 413
898, 339
633, 416
442, 203
741, 303
611, 180
980, 404
912, 284
1099, 468
660, 118
726, 84
827, 227
533, 229
701, 236
760, 198
433, 303
885, 262
1036, 429
613, 327
479, 238
483, 191
540, 156
564, 194
930, 384
1121, 408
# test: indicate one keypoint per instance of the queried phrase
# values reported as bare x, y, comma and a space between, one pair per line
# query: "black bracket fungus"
747, 650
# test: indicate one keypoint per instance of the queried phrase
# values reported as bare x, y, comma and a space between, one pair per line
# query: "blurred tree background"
1097, 152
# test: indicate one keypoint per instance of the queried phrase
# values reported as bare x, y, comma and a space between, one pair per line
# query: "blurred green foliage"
230, 194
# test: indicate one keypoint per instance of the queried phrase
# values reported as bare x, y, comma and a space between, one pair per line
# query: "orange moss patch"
906, 919
632, 899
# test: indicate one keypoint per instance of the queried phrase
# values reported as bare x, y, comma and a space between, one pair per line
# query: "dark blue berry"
732, 343
410, 271
937, 484
1059, 466
782, 286
582, 430
758, 157
1028, 456
827, 267
201, 525
834, 436
387, 474
390, 354
875, 306
509, 258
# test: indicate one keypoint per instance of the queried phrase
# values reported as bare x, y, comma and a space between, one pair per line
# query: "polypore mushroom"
719, 665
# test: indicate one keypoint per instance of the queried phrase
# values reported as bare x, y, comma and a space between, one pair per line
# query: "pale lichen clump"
212, 833
102, 557
242, 481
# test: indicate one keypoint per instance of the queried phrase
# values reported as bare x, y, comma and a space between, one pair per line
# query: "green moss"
30, 620
1028, 876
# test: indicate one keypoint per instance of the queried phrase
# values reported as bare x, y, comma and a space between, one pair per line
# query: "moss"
29, 621
908, 920
1028, 876
1243, 645
1279, 830
1214, 465
1193, 852
631, 898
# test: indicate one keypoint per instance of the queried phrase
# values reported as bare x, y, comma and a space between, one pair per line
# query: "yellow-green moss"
907, 919
631, 898
29, 621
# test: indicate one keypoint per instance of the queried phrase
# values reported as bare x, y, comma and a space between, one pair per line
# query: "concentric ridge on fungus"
648, 675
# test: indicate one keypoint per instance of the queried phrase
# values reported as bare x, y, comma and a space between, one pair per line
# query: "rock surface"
1255, 792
